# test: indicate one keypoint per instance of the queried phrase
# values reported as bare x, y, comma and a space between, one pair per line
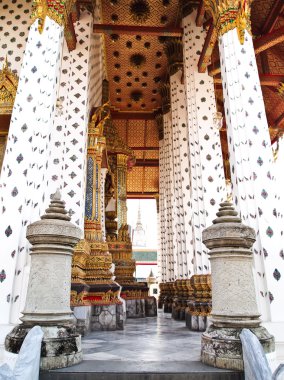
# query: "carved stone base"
222, 348
150, 307
167, 307
196, 322
61, 345
104, 318
83, 316
135, 308
120, 315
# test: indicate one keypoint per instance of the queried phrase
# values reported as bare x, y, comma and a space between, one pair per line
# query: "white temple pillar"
250, 151
162, 263
169, 202
69, 136
179, 236
179, 112
206, 164
23, 178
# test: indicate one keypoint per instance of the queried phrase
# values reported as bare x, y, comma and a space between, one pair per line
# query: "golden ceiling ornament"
174, 52
57, 10
137, 60
160, 124
165, 93
8, 89
136, 96
115, 144
230, 14
140, 10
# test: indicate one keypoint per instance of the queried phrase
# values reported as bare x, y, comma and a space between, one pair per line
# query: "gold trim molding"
8, 89
57, 10
230, 14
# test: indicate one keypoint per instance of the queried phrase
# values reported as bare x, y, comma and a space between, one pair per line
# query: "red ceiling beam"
207, 50
144, 147
141, 162
270, 21
200, 13
136, 29
260, 44
116, 115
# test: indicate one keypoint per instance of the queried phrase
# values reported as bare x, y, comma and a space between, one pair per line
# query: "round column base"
222, 347
60, 348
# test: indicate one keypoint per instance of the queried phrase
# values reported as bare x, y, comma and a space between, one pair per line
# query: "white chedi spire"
138, 234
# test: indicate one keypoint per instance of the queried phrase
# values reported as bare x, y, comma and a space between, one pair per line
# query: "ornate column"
8, 90
103, 181
3, 142
250, 150
121, 158
206, 164
102, 292
23, 178
121, 167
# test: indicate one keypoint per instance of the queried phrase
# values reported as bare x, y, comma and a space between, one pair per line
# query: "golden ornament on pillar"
230, 14
8, 89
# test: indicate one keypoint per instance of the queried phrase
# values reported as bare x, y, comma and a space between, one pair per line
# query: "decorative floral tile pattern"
206, 164
26, 160
251, 167
182, 180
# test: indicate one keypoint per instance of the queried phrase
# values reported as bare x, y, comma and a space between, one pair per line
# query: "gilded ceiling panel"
135, 179
151, 183
140, 12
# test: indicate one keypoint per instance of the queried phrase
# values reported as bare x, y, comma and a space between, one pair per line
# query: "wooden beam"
271, 80
270, 21
4, 124
144, 147
132, 115
279, 121
135, 29
207, 50
141, 162
141, 195
268, 40
207, 23
200, 13
260, 44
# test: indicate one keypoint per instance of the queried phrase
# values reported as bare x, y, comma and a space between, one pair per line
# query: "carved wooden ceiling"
136, 62
135, 32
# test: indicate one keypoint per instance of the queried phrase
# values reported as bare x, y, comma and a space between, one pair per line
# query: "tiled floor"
149, 339
147, 349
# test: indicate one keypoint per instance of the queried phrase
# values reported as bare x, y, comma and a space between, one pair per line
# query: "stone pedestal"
199, 304
234, 304
83, 318
48, 296
135, 308
150, 307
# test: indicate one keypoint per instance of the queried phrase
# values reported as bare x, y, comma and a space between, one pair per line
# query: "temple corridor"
149, 348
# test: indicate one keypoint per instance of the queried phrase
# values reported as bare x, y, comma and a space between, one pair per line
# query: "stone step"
139, 370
